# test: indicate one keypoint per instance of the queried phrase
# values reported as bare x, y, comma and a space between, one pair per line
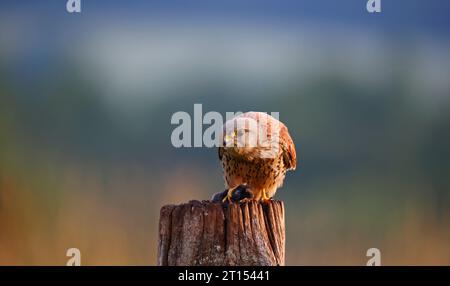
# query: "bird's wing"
288, 148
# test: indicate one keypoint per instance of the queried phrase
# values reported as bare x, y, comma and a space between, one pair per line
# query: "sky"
168, 40
399, 16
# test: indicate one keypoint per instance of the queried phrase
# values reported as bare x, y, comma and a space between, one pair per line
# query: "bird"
256, 152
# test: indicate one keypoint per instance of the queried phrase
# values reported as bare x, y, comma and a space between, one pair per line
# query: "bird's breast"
257, 173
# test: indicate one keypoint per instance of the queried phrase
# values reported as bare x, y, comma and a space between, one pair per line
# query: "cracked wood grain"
207, 233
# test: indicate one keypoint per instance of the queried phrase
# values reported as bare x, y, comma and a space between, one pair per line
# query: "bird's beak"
229, 138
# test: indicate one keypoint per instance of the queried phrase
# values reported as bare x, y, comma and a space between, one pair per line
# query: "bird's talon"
229, 195
265, 198
237, 194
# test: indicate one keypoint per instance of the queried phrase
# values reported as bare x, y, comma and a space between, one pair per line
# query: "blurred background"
86, 100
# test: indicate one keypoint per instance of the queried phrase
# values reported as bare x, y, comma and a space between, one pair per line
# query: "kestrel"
257, 151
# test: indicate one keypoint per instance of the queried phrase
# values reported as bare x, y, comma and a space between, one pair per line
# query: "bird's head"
249, 138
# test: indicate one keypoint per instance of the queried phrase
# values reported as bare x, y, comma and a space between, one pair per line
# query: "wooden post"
207, 233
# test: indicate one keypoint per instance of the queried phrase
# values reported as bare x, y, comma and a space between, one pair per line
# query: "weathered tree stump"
207, 233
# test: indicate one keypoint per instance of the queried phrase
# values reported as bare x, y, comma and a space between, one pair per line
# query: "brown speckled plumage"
250, 164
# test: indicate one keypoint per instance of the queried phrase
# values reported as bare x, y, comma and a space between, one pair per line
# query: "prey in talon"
256, 153
240, 193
